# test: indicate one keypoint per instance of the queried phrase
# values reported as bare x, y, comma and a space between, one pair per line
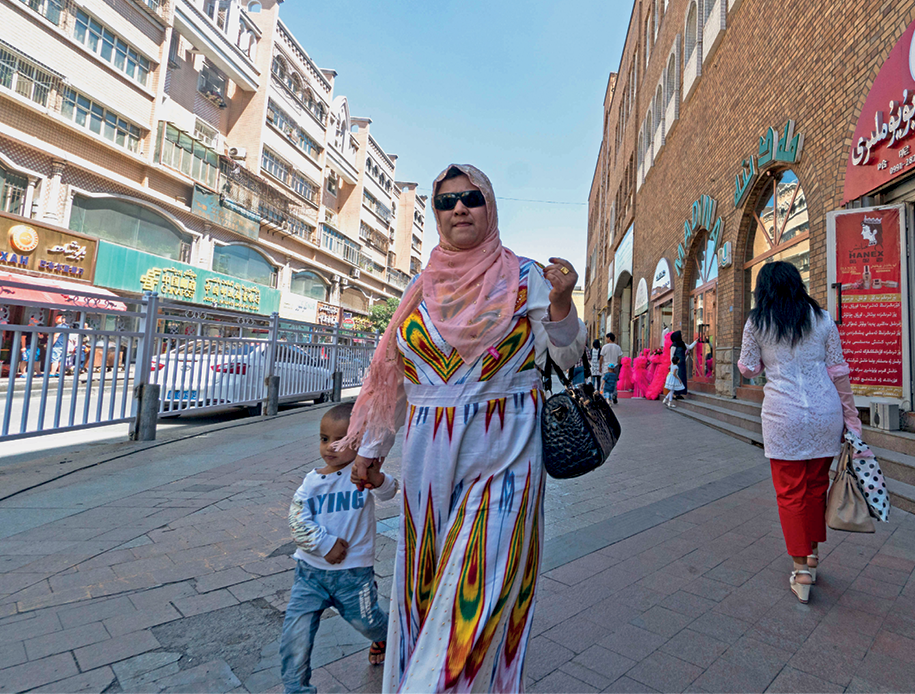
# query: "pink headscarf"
470, 295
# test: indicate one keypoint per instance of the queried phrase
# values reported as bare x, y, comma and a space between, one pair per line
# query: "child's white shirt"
327, 507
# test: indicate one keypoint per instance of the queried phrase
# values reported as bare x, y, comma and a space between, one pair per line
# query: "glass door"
703, 315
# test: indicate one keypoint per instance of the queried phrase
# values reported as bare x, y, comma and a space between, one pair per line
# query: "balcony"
658, 138
672, 113
398, 279
714, 28
210, 40
692, 71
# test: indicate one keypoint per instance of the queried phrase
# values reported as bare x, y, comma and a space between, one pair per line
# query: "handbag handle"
547, 375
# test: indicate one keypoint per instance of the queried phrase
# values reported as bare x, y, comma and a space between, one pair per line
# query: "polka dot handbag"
870, 478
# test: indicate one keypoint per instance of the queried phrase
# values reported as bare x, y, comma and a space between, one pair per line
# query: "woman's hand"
361, 470
563, 277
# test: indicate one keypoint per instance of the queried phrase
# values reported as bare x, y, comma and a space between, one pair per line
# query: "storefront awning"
44, 290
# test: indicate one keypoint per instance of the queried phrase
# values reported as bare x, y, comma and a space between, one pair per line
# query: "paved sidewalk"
167, 570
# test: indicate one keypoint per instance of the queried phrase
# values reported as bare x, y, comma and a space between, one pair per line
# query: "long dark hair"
783, 306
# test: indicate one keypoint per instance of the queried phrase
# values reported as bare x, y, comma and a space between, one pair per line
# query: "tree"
382, 313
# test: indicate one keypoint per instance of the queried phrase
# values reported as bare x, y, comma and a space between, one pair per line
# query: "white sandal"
800, 590
813, 560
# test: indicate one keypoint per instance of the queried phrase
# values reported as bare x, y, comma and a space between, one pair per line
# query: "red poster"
869, 269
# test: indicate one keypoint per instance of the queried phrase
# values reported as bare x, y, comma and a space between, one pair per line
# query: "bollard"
143, 427
273, 395
337, 395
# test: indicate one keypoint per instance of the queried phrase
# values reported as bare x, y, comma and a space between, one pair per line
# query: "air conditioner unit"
725, 255
885, 415
355, 273
238, 152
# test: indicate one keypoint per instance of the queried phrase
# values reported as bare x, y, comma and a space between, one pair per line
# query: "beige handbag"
846, 508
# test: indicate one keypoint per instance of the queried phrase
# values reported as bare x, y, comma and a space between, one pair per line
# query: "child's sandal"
377, 649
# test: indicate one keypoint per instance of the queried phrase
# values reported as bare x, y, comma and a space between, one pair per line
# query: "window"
372, 203
279, 68
244, 263
49, 9
101, 41
23, 77
275, 166
212, 85
692, 32
309, 284
671, 77
332, 184
337, 243
182, 152
290, 129
649, 38
218, 11
304, 187
206, 133
98, 120
128, 224
294, 82
12, 192
782, 228
417, 243
254, 7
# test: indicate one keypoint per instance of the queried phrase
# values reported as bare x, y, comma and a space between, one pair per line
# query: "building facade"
721, 154
205, 153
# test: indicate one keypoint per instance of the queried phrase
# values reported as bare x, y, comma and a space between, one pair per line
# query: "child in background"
673, 382
333, 524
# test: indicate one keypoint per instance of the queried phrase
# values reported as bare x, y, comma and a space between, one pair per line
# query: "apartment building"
726, 147
197, 150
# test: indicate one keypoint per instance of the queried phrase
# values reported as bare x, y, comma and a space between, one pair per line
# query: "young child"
673, 382
333, 524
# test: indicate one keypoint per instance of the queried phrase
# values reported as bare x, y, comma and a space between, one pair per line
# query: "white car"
206, 372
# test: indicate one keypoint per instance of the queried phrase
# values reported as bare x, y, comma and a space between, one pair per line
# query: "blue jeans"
610, 379
352, 591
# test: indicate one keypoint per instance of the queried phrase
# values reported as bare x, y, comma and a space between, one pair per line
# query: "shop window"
309, 284
12, 192
244, 263
128, 224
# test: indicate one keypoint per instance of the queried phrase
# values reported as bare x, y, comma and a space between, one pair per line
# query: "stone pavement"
167, 570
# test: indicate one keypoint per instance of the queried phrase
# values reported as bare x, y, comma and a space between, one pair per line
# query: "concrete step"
720, 410
898, 468
743, 406
899, 441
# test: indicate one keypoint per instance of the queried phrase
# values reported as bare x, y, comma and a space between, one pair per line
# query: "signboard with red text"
868, 297
883, 146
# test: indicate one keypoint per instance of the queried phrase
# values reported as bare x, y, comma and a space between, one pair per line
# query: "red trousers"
801, 487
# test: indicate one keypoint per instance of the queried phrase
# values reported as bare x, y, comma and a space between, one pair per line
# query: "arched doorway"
623, 297
780, 230
702, 312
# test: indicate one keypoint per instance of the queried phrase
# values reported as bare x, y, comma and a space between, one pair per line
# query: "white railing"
691, 72
84, 371
714, 28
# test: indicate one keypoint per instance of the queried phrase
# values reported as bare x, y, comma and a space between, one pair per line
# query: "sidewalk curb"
140, 446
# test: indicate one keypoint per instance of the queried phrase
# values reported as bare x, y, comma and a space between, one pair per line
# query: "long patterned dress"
472, 507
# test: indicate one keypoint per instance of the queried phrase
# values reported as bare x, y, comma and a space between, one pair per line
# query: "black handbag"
577, 426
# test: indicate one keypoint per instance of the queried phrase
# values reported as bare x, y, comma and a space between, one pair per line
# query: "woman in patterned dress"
457, 365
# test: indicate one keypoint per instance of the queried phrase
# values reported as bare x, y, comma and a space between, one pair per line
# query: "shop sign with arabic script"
882, 146
772, 150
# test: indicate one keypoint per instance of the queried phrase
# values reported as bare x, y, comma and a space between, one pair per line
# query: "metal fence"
74, 359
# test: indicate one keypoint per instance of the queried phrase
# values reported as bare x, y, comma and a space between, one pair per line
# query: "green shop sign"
118, 267
772, 149
705, 216
225, 213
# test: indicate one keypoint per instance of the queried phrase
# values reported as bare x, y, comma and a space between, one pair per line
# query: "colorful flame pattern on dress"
467, 562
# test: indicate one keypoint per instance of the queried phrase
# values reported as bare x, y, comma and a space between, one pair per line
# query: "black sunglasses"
448, 201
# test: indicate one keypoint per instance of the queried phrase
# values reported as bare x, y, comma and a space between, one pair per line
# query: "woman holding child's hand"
457, 365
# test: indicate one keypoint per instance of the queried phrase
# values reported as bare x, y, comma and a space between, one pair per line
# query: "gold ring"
564, 270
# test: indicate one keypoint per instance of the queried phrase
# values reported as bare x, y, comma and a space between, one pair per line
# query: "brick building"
196, 140
737, 132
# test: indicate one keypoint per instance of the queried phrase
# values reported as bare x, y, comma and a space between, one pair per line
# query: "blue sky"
514, 88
